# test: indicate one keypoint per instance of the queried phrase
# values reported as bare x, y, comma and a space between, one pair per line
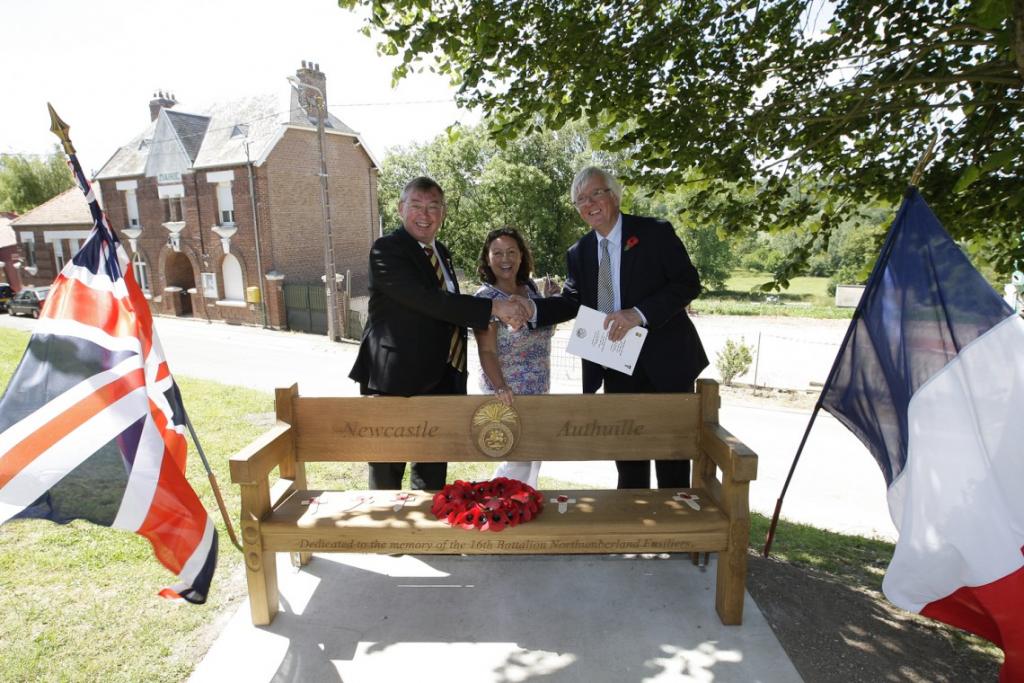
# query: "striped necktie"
457, 347
605, 290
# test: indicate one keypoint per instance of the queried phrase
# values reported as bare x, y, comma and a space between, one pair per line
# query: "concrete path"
585, 619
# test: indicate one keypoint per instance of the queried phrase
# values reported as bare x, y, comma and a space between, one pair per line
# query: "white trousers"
525, 471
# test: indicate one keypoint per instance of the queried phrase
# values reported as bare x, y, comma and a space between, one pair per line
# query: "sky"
100, 63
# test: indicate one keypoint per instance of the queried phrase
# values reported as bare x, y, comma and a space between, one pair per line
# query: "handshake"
515, 311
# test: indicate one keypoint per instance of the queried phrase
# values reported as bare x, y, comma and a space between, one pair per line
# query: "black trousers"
636, 474
427, 476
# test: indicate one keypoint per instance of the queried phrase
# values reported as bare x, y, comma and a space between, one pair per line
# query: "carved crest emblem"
495, 429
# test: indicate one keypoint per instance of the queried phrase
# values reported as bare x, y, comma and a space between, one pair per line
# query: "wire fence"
794, 355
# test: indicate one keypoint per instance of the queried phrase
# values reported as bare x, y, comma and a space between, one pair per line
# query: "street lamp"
330, 269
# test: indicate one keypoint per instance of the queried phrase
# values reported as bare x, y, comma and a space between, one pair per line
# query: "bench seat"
599, 521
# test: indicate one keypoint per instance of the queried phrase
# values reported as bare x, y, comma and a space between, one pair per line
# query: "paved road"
837, 485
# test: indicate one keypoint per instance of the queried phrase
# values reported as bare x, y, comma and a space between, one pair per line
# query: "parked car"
28, 301
6, 294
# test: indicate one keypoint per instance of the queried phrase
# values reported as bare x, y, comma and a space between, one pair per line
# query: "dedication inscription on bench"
598, 521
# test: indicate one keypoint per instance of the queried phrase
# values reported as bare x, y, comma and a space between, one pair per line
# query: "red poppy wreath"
487, 505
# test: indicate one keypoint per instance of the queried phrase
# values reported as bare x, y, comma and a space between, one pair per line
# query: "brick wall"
295, 212
9, 273
277, 317
45, 260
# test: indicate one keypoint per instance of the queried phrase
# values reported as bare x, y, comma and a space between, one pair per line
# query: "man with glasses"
636, 270
414, 342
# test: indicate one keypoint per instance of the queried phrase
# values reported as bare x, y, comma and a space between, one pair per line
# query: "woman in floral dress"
512, 361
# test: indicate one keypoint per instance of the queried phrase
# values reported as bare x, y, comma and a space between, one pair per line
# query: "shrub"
734, 360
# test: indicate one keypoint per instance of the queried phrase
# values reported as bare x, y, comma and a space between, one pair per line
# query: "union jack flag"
92, 424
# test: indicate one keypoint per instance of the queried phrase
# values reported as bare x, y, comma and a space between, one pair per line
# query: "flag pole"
62, 130
883, 256
213, 485
923, 162
792, 468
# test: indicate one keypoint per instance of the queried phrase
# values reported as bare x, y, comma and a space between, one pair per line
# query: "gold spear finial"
60, 129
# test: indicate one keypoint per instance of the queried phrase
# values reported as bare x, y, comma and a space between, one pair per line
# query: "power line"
390, 104
250, 122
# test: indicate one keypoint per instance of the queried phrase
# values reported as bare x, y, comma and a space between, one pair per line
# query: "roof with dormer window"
225, 134
190, 130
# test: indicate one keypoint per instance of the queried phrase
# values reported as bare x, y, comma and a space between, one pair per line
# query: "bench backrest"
454, 428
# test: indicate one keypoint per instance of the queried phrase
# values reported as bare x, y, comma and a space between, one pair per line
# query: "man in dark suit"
414, 342
636, 270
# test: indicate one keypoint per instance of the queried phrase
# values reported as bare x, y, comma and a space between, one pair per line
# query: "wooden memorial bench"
285, 516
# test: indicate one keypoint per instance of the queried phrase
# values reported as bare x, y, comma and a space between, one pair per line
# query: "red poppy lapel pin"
632, 242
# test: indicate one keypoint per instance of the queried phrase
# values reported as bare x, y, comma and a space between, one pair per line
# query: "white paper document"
589, 341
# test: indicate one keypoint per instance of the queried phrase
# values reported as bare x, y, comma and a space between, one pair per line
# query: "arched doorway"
178, 273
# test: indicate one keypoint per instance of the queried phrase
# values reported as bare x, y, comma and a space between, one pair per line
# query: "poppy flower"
486, 505
632, 242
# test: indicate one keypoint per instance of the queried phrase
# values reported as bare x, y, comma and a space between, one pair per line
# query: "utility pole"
330, 268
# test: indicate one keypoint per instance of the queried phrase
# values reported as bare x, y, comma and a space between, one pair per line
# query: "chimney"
310, 74
161, 100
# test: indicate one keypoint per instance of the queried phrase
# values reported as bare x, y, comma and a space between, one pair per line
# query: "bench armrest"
253, 464
733, 457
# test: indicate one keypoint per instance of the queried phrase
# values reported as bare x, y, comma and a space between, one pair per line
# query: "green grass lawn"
805, 297
79, 603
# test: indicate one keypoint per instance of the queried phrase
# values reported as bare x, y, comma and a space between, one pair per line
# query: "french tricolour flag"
92, 425
931, 378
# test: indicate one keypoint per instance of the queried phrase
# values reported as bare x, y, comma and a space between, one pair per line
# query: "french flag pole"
930, 377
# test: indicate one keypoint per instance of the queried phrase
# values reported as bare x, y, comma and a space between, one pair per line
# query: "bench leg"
261, 577
301, 559
731, 583
260, 565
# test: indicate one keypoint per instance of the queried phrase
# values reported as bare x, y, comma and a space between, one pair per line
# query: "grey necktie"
605, 290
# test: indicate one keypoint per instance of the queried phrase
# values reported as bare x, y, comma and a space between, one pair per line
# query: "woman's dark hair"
483, 268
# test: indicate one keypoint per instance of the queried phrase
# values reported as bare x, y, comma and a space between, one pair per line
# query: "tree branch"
1018, 34
952, 104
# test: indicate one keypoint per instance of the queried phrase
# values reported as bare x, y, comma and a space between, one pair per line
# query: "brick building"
218, 206
11, 259
49, 235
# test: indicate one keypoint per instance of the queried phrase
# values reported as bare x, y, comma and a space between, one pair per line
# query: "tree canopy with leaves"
525, 184
28, 181
767, 95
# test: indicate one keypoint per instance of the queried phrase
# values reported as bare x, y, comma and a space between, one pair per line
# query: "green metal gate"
306, 307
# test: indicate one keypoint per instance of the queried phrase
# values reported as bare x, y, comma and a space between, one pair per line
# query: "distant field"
811, 289
805, 297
